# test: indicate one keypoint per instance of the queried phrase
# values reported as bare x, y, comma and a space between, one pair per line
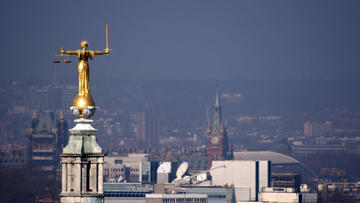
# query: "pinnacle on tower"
217, 109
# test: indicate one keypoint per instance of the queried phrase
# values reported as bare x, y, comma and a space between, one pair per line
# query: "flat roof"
274, 157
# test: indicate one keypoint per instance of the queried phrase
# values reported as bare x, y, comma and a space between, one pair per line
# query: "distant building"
286, 195
12, 157
247, 177
298, 148
216, 194
126, 192
188, 198
124, 168
216, 136
328, 190
317, 129
286, 180
46, 139
51, 98
62, 133
140, 126
280, 163
148, 172
147, 126
40, 99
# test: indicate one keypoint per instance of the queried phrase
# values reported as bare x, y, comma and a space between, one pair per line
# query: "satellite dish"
201, 177
182, 170
164, 167
187, 179
119, 179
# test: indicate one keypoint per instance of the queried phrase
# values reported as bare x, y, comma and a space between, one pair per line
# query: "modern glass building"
214, 194
126, 192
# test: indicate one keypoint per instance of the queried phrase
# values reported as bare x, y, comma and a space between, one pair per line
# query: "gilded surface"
83, 98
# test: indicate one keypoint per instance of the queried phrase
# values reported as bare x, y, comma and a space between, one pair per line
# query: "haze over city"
266, 92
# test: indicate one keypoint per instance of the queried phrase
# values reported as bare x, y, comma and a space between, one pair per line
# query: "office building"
147, 126
247, 177
286, 195
148, 172
318, 129
215, 194
167, 198
124, 168
126, 192
39, 99
286, 180
140, 126
299, 148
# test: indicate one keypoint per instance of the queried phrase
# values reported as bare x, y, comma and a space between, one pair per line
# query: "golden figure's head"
84, 44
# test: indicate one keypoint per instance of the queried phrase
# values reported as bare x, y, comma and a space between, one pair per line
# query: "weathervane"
83, 104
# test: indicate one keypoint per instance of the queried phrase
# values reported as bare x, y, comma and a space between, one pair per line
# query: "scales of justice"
83, 104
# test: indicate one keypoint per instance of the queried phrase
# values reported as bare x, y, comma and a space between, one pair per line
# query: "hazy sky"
185, 39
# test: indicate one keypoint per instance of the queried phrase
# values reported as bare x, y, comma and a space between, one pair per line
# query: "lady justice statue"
82, 159
83, 104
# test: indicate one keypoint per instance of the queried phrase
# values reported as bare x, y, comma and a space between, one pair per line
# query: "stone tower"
82, 166
216, 135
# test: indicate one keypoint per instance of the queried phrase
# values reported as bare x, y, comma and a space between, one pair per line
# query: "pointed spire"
217, 101
217, 109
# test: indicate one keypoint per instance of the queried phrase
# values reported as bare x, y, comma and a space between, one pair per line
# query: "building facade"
247, 177
318, 129
46, 138
146, 126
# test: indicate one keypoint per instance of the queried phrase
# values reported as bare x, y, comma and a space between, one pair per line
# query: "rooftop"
274, 157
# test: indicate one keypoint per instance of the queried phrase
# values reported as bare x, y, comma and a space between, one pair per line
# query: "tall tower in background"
216, 135
152, 126
46, 140
147, 126
140, 126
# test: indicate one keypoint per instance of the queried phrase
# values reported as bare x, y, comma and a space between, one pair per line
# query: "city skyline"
289, 132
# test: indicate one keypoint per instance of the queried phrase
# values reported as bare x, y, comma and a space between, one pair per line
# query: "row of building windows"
217, 196
124, 194
184, 200
114, 169
121, 169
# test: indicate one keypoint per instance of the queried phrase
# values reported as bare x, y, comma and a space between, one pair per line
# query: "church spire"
217, 109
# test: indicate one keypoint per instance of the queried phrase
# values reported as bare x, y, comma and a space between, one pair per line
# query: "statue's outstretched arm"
68, 52
101, 52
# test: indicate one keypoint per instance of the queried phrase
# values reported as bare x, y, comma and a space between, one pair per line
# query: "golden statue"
83, 98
